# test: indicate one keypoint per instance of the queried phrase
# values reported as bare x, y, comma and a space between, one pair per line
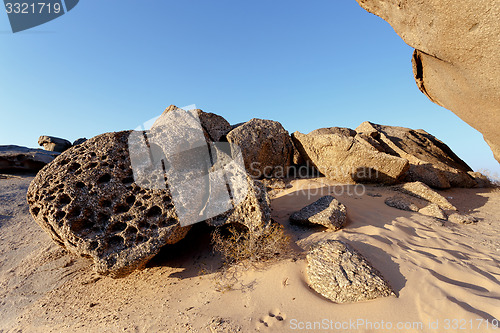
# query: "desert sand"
444, 274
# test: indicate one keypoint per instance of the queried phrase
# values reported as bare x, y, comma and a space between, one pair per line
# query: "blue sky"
112, 65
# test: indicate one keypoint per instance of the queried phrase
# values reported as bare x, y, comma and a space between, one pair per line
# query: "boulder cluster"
119, 206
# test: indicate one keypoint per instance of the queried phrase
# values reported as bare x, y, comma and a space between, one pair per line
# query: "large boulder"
266, 146
52, 143
342, 156
86, 199
431, 160
23, 159
341, 274
455, 63
326, 211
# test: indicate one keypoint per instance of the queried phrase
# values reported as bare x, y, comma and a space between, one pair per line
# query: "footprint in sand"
274, 318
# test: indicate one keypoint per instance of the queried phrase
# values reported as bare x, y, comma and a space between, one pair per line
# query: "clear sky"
112, 65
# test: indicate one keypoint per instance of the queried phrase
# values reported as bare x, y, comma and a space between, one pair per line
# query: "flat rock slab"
462, 218
327, 211
422, 191
402, 202
341, 274
23, 159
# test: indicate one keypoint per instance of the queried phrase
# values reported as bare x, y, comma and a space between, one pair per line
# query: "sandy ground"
447, 276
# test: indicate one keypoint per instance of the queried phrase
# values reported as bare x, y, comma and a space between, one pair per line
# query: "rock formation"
342, 156
326, 211
455, 63
119, 197
51, 143
266, 147
431, 161
342, 275
22, 159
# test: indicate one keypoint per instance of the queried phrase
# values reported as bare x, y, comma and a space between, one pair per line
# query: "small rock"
433, 210
401, 202
342, 275
79, 141
422, 191
327, 211
52, 143
462, 218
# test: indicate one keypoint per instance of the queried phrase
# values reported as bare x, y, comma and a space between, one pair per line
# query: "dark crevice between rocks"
418, 72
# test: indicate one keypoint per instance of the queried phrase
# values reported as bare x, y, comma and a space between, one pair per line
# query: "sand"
444, 274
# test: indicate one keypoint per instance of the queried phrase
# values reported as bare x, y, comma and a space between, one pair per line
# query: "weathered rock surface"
250, 201
431, 160
52, 143
253, 212
274, 186
86, 199
456, 59
340, 156
327, 211
334, 130
214, 126
266, 146
402, 202
422, 191
461, 218
342, 275
22, 159
433, 210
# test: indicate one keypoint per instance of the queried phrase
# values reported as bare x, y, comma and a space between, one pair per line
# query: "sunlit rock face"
455, 63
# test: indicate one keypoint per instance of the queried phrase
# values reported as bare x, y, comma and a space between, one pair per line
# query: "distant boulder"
431, 161
344, 157
266, 147
52, 143
481, 180
22, 159
79, 141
